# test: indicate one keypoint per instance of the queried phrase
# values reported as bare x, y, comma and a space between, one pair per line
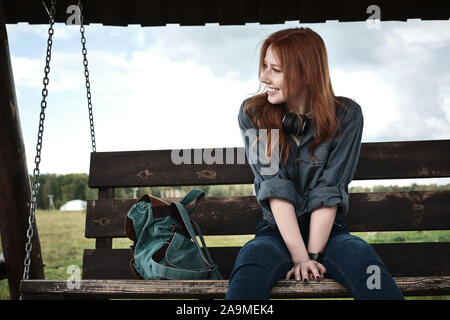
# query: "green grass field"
62, 240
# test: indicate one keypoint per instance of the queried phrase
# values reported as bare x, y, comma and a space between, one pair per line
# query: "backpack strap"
187, 223
200, 235
194, 194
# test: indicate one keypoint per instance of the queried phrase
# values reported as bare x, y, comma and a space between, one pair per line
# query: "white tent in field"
74, 205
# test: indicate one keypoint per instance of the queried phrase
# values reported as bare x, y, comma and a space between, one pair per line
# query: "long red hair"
304, 61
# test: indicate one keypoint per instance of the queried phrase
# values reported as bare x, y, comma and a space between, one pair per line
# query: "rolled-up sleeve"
267, 184
332, 186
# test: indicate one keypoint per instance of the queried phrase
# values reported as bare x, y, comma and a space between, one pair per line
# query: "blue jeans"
265, 259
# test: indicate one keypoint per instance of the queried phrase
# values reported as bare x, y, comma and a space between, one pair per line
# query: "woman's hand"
302, 269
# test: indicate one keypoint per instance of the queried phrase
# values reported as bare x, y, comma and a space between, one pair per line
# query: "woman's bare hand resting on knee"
302, 270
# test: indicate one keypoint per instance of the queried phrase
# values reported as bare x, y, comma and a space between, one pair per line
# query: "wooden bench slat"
379, 211
402, 259
378, 160
410, 286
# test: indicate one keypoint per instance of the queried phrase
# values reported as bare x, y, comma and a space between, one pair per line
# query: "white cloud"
441, 125
185, 101
65, 72
61, 31
431, 35
366, 88
396, 107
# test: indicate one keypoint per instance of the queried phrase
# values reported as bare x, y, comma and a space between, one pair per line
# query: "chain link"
86, 75
37, 159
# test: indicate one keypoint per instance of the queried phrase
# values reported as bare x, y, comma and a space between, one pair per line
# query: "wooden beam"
377, 160
410, 286
14, 181
217, 215
424, 259
230, 12
2, 267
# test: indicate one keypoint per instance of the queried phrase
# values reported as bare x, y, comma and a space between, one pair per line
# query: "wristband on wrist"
316, 256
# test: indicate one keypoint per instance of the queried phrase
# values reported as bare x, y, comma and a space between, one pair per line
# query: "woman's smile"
272, 91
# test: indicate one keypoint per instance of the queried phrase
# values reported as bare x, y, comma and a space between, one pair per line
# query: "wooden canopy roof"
225, 12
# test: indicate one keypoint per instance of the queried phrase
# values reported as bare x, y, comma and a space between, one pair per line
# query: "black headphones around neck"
293, 125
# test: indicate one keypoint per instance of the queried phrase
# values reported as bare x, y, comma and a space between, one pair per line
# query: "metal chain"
37, 159
86, 75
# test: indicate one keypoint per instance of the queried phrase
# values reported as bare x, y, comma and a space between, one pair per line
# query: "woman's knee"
261, 252
353, 257
354, 263
351, 246
258, 266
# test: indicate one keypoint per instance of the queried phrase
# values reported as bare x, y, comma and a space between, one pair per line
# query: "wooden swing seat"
419, 268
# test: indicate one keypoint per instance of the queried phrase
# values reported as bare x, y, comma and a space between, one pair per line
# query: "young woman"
303, 234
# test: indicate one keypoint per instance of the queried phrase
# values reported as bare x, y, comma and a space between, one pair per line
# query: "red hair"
304, 61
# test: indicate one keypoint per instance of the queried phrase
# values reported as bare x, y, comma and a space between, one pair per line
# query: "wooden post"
14, 182
104, 243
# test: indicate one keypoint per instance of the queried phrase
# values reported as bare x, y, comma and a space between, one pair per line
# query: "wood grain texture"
402, 259
378, 160
379, 211
15, 193
198, 12
410, 286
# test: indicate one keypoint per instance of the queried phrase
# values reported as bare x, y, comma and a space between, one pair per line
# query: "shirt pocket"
321, 154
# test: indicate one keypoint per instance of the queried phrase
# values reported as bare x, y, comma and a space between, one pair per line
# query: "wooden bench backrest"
380, 211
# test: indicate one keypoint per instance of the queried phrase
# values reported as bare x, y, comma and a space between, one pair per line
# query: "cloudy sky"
181, 87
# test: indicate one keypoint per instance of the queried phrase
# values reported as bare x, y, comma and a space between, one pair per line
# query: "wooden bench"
418, 268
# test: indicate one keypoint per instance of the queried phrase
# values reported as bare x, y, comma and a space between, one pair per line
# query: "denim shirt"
307, 185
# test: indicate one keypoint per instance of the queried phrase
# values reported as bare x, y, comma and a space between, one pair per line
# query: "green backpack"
164, 241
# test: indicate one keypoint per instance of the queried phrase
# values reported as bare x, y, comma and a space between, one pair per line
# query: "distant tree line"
66, 187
